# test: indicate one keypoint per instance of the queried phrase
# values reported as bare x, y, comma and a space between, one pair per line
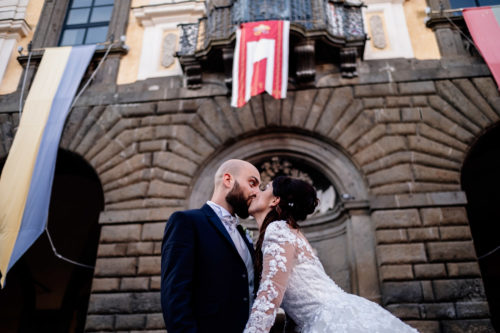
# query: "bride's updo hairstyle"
297, 200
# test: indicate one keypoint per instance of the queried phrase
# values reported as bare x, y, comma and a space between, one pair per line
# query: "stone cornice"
169, 12
14, 27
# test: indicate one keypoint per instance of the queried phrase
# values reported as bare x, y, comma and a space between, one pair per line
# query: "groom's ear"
227, 180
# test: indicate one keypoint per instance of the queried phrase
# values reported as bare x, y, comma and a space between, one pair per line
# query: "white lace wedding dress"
293, 274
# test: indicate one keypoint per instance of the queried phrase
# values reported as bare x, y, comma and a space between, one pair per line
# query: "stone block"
157, 248
182, 150
112, 250
451, 251
134, 191
106, 284
459, 290
398, 173
374, 134
467, 326
455, 233
121, 233
125, 167
405, 311
186, 135
110, 303
384, 146
418, 87
337, 104
201, 127
174, 163
396, 272
362, 124
401, 129
425, 326
155, 283
140, 248
158, 188
463, 269
419, 101
147, 302
398, 218
155, 321
153, 231
444, 216
149, 265
387, 115
429, 271
438, 311
391, 236
99, 323
130, 321
423, 234
215, 119
347, 118
134, 283
373, 102
401, 292
443, 138
374, 90
152, 146
472, 309
401, 253
392, 101
301, 106
427, 291
430, 174
115, 266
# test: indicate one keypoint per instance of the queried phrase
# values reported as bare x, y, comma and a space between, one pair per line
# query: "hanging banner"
26, 180
484, 27
260, 60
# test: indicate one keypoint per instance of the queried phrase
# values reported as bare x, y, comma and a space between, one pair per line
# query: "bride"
293, 277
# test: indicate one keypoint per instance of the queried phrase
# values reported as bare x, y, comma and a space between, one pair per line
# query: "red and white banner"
260, 60
484, 27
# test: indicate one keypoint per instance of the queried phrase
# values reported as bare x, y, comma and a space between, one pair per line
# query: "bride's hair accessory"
290, 204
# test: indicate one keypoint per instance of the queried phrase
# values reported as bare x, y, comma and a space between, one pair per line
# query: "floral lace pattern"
293, 277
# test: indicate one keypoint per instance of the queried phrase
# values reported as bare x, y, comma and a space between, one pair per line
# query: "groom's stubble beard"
238, 202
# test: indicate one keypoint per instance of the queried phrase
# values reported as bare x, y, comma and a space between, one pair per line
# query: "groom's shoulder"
187, 214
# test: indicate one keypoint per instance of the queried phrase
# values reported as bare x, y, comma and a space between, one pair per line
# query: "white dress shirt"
230, 222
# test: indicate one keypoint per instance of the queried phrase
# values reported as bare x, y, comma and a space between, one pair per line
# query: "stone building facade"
397, 152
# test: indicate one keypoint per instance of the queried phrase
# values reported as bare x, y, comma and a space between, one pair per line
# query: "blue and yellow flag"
26, 181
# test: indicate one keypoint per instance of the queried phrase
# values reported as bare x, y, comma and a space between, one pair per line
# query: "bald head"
235, 168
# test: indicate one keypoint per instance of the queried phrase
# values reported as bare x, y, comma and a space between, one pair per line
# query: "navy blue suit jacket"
204, 283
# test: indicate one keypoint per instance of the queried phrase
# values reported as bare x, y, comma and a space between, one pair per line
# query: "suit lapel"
217, 223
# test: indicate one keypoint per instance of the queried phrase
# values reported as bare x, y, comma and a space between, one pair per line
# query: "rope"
57, 254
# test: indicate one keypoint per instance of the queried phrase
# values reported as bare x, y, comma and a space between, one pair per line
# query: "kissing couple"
214, 281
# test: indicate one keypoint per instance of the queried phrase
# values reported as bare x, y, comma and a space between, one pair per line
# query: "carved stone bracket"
227, 58
304, 52
192, 70
348, 66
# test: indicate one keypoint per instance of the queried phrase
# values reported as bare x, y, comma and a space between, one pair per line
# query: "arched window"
86, 22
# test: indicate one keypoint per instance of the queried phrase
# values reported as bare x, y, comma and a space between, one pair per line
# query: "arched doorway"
342, 233
44, 293
481, 183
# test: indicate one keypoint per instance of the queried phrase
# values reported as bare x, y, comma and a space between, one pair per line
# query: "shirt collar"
219, 210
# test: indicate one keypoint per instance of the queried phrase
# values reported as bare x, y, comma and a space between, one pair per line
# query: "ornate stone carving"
377, 30
348, 66
192, 71
305, 70
188, 39
169, 44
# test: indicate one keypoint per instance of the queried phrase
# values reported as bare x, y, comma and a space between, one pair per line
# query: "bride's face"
263, 202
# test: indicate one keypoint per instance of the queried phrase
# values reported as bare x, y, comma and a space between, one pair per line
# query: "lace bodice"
293, 277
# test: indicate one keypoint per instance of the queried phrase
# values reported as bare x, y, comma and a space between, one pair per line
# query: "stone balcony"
334, 27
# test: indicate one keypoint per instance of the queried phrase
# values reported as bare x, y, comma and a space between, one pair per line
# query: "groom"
207, 280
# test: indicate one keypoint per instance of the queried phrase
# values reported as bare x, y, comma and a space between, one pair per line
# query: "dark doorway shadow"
481, 183
44, 293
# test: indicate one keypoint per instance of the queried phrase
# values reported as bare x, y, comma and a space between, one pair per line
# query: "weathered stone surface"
463, 269
134, 215
115, 266
373, 90
106, 284
398, 173
110, 303
418, 87
451, 251
258, 111
130, 321
420, 143
173, 162
121, 233
455, 233
153, 231
396, 218
155, 283
391, 236
400, 129
452, 114
429, 271
357, 128
423, 234
438, 310
467, 326
472, 309
489, 90
112, 250
300, 111
347, 118
134, 283
204, 131
459, 290
373, 102
159, 188
377, 132
425, 326
149, 265
401, 292
401, 253
99, 323
151, 146
337, 104
155, 321
187, 136
215, 119
427, 291
442, 137
272, 110
140, 248
444, 216
392, 101
396, 272
147, 302
405, 311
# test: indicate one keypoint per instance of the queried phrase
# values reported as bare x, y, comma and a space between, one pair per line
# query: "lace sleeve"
278, 252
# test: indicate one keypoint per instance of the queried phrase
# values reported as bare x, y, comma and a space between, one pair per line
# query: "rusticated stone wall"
408, 140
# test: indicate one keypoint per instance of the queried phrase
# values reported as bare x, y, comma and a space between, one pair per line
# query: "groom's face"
244, 190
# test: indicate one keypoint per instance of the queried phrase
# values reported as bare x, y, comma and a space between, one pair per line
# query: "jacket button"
245, 299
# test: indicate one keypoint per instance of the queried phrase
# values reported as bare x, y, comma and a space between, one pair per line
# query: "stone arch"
343, 236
